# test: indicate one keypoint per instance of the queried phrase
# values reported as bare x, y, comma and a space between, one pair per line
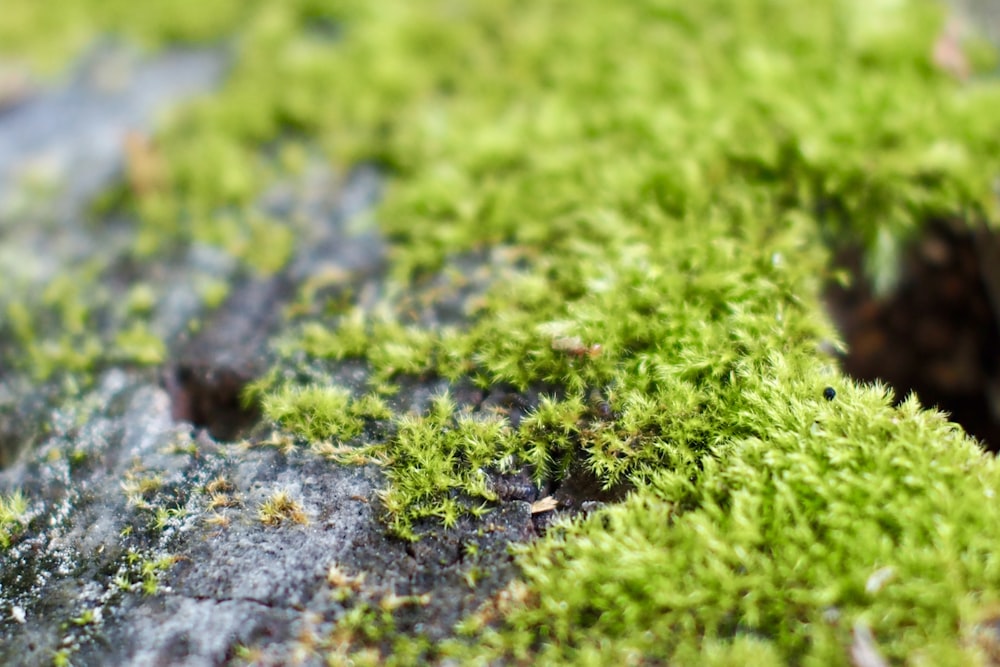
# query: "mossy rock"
587, 311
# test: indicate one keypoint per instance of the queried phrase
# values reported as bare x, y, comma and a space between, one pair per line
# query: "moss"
72, 348
673, 216
667, 175
72, 325
47, 39
142, 572
140, 300
167, 516
452, 455
280, 507
263, 244
139, 344
13, 510
139, 490
316, 413
87, 617
785, 541
62, 658
152, 569
672, 207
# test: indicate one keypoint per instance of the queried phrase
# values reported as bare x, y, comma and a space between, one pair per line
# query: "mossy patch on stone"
669, 175
665, 177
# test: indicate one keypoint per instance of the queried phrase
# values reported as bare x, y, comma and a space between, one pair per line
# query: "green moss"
280, 507
669, 174
785, 540
672, 214
213, 293
139, 489
151, 569
13, 509
62, 658
165, 516
141, 299
53, 334
140, 345
47, 38
450, 457
315, 413
391, 347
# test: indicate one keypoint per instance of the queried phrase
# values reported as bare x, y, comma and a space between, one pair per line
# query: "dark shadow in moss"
937, 332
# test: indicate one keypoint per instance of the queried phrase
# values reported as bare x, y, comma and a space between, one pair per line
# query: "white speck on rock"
17, 614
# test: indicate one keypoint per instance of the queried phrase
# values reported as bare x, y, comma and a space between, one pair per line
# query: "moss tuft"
280, 507
13, 509
314, 412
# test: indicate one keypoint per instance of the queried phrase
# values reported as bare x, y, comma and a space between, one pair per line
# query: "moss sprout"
280, 507
139, 489
13, 510
151, 570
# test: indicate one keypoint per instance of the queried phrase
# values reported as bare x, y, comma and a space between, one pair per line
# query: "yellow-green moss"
47, 38
316, 413
280, 507
13, 508
786, 540
667, 174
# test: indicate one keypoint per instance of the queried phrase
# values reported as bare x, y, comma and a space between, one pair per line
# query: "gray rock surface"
226, 584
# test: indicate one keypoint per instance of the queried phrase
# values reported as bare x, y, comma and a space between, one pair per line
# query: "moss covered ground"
658, 184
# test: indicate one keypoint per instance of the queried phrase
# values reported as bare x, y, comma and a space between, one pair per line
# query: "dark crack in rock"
71, 137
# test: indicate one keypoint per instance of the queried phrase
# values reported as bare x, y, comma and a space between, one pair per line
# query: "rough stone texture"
244, 583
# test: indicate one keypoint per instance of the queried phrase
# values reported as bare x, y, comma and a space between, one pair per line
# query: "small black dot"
829, 393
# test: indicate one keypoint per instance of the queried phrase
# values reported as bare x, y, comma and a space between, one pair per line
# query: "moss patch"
784, 542
664, 176
280, 507
668, 208
668, 175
